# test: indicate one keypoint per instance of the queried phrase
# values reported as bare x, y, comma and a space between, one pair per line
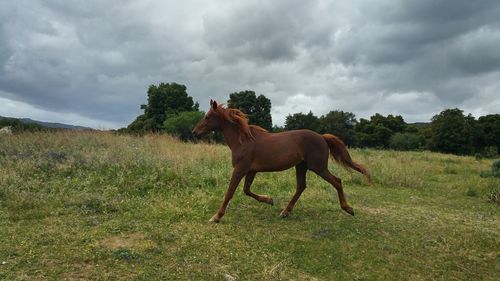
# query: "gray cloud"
92, 61
259, 31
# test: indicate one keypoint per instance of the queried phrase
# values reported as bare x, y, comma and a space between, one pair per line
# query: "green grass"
101, 206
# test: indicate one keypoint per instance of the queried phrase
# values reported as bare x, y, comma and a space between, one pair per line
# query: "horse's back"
304, 138
280, 151
314, 148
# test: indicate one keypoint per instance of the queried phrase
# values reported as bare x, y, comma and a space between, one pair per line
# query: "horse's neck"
231, 135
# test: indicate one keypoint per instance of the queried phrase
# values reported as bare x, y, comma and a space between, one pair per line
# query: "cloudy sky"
90, 62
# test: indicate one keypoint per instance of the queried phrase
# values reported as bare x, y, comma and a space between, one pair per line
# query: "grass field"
99, 206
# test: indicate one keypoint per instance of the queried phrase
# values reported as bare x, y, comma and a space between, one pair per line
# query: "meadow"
101, 206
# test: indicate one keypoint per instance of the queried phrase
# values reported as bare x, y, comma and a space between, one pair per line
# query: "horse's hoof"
284, 215
270, 201
214, 219
349, 210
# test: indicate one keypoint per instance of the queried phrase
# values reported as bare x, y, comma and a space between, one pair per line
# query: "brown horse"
256, 150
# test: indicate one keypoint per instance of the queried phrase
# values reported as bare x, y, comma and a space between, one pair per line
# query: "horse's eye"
206, 117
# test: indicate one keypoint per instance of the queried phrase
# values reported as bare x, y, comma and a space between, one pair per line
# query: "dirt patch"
95, 272
376, 211
80, 272
135, 241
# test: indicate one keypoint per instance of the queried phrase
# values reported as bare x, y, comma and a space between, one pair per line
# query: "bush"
405, 141
140, 126
471, 192
182, 124
495, 168
490, 152
494, 194
494, 172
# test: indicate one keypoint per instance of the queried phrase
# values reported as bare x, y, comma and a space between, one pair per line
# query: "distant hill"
53, 125
9, 121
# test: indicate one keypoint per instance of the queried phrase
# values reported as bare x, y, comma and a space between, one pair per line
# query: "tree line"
170, 109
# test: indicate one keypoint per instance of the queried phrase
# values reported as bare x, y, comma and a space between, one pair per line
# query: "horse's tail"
339, 152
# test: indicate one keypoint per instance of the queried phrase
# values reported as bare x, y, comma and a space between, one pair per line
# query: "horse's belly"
276, 160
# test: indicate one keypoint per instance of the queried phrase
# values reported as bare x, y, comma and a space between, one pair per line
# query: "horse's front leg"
236, 177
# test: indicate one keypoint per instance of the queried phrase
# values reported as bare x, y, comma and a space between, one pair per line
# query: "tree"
452, 132
378, 130
370, 134
278, 129
258, 109
487, 134
182, 124
394, 123
302, 121
339, 123
164, 100
425, 133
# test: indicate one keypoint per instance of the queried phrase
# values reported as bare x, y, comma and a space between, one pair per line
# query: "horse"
256, 150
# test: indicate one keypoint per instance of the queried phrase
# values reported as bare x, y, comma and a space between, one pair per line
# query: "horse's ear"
214, 105
211, 101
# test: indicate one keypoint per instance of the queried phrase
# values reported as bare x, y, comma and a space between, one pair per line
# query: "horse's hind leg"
337, 183
300, 174
246, 188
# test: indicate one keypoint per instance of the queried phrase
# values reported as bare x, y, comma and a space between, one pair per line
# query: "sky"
90, 62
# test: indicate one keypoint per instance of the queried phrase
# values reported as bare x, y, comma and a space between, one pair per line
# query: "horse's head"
211, 122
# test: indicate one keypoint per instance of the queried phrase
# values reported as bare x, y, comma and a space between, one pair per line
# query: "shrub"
182, 124
490, 152
494, 172
494, 194
495, 168
405, 141
471, 192
140, 126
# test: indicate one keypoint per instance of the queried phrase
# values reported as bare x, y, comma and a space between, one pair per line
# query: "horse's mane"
240, 119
